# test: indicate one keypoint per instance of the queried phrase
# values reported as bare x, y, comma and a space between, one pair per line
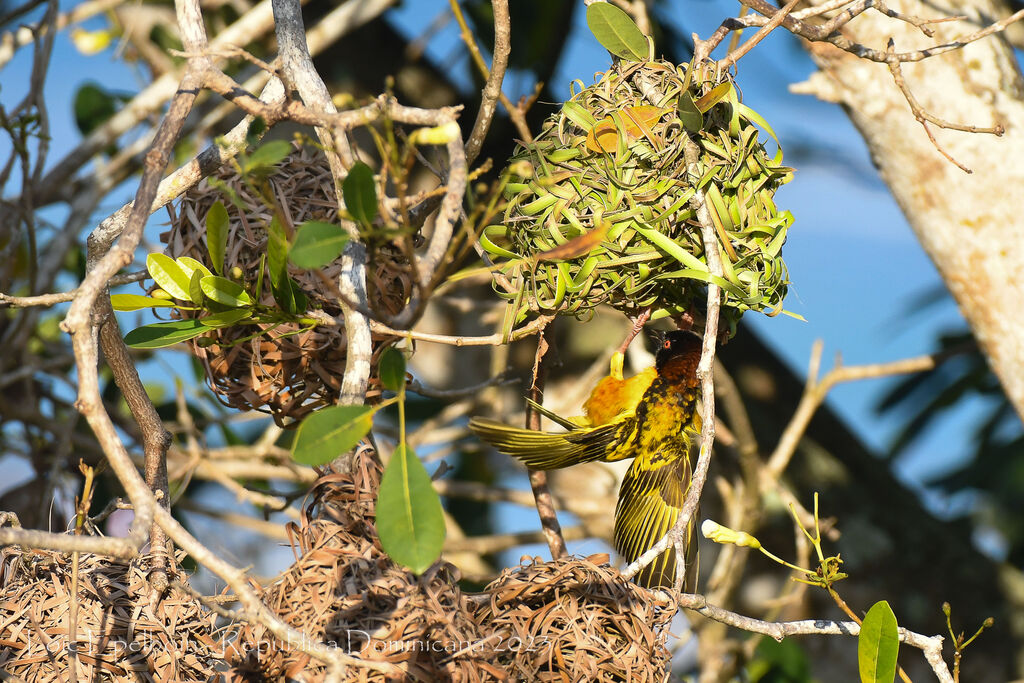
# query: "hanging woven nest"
120, 634
281, 371
575, 620
344, 590
599, 205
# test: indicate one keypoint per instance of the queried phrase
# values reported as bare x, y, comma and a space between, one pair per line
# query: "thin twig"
923, 116
815, 392
773, 23
931, 646
515, 113
538, 478
495, 543
46, 300
337, 23
496, 339
418, 387
471, 490
827, 32
492, 89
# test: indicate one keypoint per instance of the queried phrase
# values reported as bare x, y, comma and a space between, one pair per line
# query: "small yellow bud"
161, 294
438, 135
236, 273
343, 100
723, 534
91, 42
523, 169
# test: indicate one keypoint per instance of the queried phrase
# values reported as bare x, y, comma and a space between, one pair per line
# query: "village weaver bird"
650, 418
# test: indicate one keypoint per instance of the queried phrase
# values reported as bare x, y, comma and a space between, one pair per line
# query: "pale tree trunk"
971, 225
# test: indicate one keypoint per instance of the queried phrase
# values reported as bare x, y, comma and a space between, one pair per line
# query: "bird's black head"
676, 344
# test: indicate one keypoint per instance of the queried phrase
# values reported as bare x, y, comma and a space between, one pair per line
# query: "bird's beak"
657, 337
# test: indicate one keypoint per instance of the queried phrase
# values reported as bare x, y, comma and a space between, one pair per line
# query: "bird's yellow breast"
613, 396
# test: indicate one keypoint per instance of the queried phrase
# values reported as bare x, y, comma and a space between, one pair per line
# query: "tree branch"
931, 646
492, 89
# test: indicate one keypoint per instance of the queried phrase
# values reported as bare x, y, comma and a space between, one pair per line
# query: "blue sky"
855, 265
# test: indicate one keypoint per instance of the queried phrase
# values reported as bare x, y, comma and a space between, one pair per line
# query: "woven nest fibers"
345, 591
285, 374
119, 634
599, 206
575, 620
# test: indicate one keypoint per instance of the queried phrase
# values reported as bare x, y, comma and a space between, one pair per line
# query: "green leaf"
226, 318
191, 266
392, 369
195, 286
93, 106
267, 156
410, 522
615, 30
360, 193
691, 117
217, 235
169, 276
277, 263
257, 129
331, 432
878, 645
299, 298
317, 244
136, 302
776, 662
714, 96
159, 335
226, 292
579, 115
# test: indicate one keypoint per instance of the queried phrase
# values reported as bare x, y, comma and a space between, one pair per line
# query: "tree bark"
970, 225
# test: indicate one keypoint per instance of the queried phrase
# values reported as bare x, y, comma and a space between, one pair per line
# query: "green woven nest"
632, 180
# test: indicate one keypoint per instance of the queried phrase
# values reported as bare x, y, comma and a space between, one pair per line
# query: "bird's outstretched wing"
650, 500
547, 450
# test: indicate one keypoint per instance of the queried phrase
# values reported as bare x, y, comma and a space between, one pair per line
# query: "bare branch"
248, 27
924, 116
495, 543
816, 391
931, 646
492, 89
515, 113
538, 478
46, 300
827, 32
772, 24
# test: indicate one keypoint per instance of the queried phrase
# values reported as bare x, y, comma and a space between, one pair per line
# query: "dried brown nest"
575, 620
120, 635
288, 375
343, 589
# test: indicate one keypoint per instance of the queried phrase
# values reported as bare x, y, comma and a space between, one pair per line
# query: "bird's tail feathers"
545, 450
650, 501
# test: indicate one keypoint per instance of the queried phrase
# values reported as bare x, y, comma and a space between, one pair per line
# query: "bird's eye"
666, 344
